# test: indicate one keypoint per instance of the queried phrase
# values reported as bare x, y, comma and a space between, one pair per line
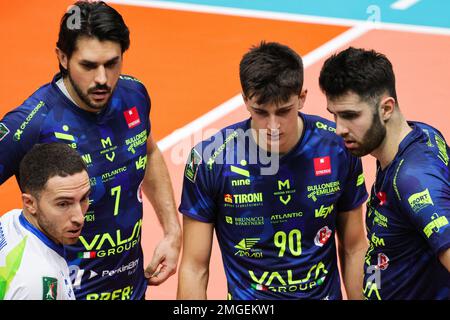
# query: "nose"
273, 123
78, 215
341, 129
100, 75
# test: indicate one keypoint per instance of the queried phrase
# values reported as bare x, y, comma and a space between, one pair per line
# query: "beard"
47, 227
85, 96
372, 138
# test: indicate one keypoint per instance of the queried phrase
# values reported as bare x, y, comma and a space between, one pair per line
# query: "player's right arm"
194, 268
199, 210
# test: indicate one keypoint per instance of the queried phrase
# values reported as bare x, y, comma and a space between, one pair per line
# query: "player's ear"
302, 98
62, 57
387, 107
29, 203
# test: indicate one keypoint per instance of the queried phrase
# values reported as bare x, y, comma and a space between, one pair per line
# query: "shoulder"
322, 134
130, 83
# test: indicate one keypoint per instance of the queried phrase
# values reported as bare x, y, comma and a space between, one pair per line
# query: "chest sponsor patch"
132, 117
322, 166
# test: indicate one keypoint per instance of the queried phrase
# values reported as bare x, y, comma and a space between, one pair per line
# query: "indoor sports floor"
187, 54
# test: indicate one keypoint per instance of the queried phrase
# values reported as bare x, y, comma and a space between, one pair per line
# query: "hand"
164, 261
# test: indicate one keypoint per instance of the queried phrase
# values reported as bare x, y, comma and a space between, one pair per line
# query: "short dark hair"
365, 72
96, 20
271, 72
45, 161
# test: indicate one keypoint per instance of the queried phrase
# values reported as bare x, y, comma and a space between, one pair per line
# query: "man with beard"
409, 207
55, 196
104, 116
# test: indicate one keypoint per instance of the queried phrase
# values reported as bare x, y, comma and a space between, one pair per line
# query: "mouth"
74, 233
99, 95
350, 144
274, 137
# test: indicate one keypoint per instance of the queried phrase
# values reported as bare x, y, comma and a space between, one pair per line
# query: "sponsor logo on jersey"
241, 172
435, 225
49, 288
360, 180
136, 141
191, 169
382, 197
245, 221
241, 200
245, 248
87, 159
132, 117
284, 191
383, 261
70, 139
108, 176
141, 163
377, 242
119, 294
286, 281
322, 236
109, 244
4, 131
324, 189
108, 149
323, 211
130, 267
220, 149
420, 200
442, 149
322, 166
323, 126
89, 217
379, 219
283, 217
19, 132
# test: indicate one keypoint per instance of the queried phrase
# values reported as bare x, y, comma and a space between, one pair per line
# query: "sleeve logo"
191, 168
420, 200
4, 131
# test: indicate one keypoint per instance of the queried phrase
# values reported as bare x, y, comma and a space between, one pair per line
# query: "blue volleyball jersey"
408, 221
107, 261
276, 232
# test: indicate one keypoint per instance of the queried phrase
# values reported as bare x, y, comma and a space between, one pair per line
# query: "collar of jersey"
49, 243
92, 115
412, 136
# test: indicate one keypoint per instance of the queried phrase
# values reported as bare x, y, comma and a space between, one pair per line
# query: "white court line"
278, 16
235, 102
403, 4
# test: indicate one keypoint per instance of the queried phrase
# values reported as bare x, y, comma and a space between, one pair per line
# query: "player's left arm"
157, 187
352, 247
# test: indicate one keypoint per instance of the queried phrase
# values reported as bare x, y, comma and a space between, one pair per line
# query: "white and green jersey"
32, 266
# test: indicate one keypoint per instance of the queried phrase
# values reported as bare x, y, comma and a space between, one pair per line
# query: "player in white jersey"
55, 195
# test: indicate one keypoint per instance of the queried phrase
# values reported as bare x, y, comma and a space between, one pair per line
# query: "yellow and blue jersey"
408, 221
107, 261
275, 229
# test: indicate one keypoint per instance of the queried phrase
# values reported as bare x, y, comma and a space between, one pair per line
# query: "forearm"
352, 266
157, 187
192, 283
